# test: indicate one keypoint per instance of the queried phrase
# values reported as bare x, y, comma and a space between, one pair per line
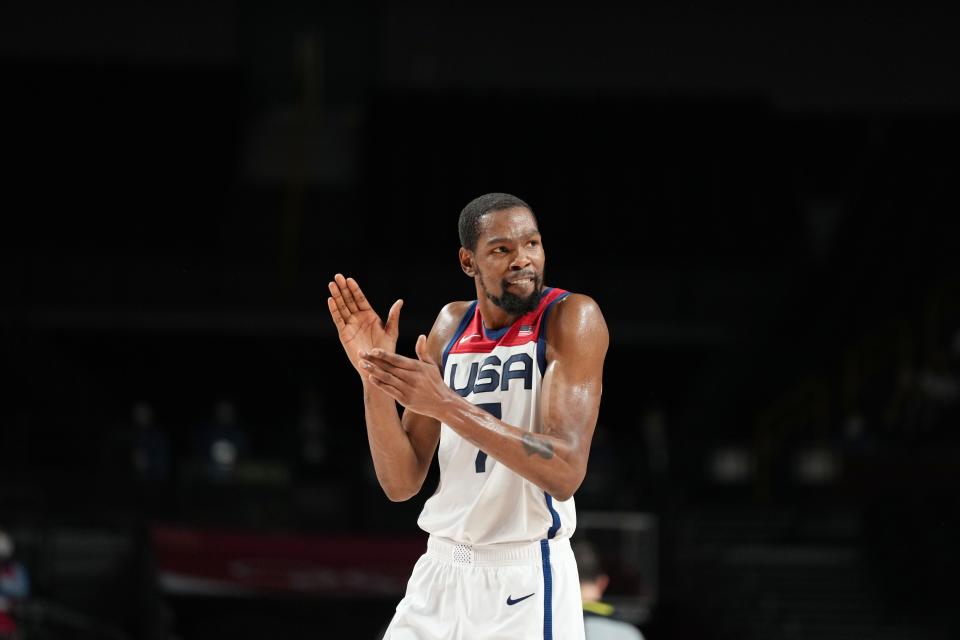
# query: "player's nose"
520, 261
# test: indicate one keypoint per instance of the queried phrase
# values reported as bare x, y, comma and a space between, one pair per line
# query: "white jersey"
480, 501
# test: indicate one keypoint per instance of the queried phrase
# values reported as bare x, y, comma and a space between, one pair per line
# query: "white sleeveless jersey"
480, 501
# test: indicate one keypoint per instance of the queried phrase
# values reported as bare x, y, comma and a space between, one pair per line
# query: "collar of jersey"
496, 334
599, 608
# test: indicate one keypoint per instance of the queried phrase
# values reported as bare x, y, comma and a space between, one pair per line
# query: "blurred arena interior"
762, 200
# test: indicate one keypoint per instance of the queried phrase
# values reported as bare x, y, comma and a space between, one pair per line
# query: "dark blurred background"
762, 198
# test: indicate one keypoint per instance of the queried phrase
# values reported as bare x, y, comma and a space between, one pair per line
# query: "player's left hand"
416, 384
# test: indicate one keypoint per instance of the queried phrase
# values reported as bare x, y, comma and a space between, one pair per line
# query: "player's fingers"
393, 320
357, 294
338, 300
389, 389
345, 292
421, 350
335, 314
393, 359
384, 374
373, 364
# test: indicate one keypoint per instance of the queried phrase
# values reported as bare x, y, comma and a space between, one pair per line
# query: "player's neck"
495, 317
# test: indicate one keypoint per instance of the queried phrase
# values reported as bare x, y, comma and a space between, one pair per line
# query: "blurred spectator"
653, 428
598, 616
856, 439
223, 443
150, 449
14, 586
602, 487
655, 438
939, 386
313, 428
927, 399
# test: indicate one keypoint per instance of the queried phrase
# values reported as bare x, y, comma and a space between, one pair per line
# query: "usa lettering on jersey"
492, 374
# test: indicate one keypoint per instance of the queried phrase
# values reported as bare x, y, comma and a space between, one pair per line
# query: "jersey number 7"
493, 408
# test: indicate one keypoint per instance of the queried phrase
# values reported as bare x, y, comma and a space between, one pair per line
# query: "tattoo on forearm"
534, 445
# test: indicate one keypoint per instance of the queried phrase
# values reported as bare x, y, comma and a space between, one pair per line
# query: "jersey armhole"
467, 317
542, 337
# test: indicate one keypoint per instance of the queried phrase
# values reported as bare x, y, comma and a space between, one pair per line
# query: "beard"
512, 303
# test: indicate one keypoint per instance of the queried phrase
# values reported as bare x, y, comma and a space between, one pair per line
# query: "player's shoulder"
448, 320
607, 628
577, 309
453, 312
577, 319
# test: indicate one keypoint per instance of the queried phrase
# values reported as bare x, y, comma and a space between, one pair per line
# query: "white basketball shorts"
526, 591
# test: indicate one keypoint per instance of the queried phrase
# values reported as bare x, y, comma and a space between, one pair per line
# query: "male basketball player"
509, 386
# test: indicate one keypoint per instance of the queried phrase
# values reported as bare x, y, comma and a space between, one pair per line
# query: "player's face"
509, 259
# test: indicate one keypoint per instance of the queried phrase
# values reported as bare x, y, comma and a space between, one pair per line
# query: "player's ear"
466, 262
603, 581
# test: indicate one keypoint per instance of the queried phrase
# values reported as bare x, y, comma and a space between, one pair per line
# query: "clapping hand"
414, 383
358, 325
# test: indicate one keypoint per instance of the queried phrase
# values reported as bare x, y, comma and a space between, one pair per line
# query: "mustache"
533, 275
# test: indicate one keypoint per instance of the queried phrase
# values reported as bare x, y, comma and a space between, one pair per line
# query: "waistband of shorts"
510, 553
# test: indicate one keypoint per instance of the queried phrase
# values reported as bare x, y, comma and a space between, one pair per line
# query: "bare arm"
554, 458
401, 448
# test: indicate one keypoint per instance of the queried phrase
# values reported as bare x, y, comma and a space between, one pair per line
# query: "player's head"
501, 248
6, 546
470, 218
593, 579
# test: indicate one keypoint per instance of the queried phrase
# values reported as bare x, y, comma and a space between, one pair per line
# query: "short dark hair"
477, 208
588, 561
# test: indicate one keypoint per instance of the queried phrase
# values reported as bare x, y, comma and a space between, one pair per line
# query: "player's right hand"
358, 325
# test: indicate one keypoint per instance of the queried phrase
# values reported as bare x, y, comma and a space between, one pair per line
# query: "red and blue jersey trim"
472, 337
542, 332
456, 336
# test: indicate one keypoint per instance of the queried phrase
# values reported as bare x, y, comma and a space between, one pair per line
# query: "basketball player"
509, 386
